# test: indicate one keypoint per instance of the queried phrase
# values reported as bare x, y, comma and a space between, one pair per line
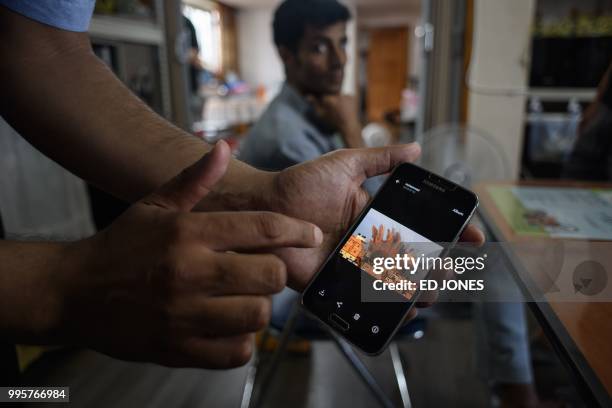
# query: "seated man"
309, 117
591, 158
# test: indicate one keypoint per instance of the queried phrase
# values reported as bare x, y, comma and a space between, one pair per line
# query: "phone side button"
339, 322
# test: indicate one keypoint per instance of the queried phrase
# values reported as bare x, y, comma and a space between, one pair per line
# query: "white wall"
500, 65
259, 61
350, 71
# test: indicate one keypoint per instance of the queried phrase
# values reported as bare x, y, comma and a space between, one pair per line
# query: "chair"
296, 323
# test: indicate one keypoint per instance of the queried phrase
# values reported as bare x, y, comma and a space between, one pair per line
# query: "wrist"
352, 135
264, 191
32, 298
72, 276
251, 190
65, 277
68, 277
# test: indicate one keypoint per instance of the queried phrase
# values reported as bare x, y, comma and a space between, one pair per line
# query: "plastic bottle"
574, 111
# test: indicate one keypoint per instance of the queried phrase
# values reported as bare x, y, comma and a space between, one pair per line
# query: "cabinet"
135, 48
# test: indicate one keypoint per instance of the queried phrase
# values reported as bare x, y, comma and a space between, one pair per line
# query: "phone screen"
413, 209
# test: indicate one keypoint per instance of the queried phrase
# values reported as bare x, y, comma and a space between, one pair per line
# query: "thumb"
189, 187
372, 162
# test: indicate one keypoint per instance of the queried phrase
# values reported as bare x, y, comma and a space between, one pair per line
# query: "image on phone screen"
378, 237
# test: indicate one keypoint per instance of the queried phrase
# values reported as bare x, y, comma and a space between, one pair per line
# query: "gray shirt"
284, 135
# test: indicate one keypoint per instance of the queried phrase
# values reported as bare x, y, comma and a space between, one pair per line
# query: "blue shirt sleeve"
71, 15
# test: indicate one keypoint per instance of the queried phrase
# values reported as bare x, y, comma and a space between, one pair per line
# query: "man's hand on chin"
341, 113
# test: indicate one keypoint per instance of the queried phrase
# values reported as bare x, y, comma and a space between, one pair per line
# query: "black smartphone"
413, 206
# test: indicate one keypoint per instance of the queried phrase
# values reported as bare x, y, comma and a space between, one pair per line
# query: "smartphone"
413, 206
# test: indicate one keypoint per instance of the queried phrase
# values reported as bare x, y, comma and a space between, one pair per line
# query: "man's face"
318, 66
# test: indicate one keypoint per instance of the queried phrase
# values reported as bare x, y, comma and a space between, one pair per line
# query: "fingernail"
414, 148
318, 235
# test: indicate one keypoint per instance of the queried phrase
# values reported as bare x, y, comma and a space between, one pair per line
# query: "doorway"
387, 70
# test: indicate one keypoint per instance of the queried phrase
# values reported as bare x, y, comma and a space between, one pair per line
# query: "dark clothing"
606, 97
9, 369
194, 72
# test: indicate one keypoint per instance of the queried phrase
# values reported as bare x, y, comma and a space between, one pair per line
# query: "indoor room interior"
502, 97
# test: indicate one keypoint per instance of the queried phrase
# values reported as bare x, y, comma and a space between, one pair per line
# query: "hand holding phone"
416, 215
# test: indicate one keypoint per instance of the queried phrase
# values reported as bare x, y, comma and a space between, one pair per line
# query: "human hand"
160, 285
341, 113
327, 192
379, 246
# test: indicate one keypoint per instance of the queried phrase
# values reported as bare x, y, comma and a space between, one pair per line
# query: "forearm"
29, 281
69, 105
351, 133
591, 111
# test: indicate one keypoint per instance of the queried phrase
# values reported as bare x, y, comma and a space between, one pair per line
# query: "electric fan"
464, 155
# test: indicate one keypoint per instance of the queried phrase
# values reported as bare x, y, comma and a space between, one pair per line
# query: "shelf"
564, 94
126, 29
548, 117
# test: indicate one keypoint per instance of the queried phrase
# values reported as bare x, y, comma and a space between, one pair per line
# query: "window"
207, 24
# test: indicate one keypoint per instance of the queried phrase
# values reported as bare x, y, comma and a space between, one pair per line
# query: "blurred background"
520, 74
492, 89
519, 71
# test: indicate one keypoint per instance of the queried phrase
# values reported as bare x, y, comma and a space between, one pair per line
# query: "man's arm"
29, 302
161, 284
69, 105
591, 111
341, 112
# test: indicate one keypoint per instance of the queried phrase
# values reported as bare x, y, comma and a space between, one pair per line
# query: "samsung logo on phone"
434, 186
456, 211
412, 188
